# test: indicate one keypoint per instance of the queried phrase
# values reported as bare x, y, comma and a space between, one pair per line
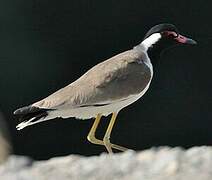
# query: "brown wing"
114, 79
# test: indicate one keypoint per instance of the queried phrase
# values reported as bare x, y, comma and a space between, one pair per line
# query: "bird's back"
105, 82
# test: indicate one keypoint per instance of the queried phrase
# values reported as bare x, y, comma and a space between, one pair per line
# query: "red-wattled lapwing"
106, 88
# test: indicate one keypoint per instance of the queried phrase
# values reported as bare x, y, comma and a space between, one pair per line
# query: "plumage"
103, 88
107, 81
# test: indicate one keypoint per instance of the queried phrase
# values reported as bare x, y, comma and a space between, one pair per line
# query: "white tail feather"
29, 123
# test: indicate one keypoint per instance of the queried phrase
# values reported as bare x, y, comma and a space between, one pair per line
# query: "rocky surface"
155, 164
5, 147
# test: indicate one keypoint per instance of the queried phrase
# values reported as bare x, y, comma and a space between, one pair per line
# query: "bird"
108, 87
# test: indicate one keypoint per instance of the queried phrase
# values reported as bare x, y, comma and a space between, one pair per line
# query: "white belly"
92, 111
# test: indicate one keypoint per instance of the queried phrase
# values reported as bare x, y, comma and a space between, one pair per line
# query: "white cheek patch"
148, 42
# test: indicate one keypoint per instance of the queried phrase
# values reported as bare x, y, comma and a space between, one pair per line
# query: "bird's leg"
92, 138
91, 135
106, 139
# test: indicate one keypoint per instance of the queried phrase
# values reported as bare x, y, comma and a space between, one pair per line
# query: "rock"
155, 164
5, 146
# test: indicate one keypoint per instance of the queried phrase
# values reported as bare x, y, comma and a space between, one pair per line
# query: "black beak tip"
191, 41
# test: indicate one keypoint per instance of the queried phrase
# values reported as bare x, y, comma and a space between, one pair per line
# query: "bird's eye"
176, 35
170, 34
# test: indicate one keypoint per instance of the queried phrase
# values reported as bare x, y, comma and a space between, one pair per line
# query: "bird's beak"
185, 40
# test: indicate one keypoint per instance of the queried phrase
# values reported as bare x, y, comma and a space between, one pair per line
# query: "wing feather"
114, 79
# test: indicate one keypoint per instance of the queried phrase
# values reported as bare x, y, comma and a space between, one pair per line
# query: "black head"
161, 28
161, 37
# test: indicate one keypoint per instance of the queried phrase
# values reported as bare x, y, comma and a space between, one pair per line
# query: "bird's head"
163, 36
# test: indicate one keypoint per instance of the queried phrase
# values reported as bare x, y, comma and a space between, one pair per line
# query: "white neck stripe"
148, 42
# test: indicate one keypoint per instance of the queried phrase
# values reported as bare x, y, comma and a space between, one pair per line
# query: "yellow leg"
106, 139
91, 135
92, 138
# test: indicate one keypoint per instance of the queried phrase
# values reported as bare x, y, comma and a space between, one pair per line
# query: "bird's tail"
30, 115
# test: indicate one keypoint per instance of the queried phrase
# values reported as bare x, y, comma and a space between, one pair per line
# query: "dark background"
45, 45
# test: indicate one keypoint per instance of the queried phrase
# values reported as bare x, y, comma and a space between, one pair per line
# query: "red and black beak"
185, 40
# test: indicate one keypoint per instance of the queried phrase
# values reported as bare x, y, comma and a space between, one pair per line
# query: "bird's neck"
153, 47
150, 41
154, 53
